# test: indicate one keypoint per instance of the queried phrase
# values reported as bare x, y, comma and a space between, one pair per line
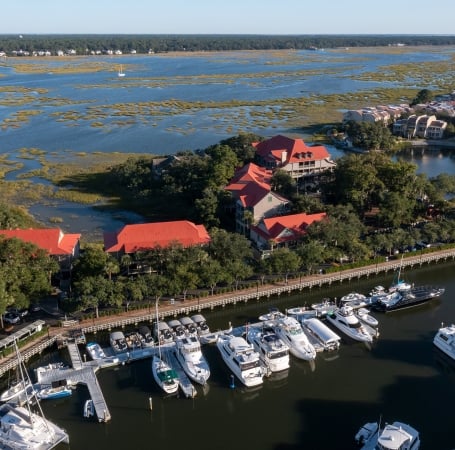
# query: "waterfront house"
293, 156
282, 231
253, 198
131, 239
65, 248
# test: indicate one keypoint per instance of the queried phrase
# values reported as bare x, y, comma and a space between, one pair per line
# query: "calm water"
402, 377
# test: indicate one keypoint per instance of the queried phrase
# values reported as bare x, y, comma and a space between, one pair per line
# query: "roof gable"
53, 240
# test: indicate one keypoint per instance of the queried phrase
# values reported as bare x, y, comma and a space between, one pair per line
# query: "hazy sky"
227, 17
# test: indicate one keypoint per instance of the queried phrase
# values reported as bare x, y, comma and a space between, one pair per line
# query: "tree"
311, 253
92, 261
283, 261
423, 96
283, 183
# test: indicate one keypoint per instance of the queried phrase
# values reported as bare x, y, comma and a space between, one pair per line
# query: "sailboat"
120, 72
165, 376
21, 428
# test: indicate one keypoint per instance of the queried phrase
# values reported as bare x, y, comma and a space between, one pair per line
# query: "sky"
227, 17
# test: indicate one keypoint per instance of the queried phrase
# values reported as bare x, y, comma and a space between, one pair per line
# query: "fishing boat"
189, 325
17, 390
201, 325
393, 436
445, 340
363, 314
273, 314
118, 342
95, 351
22, 428
242, 359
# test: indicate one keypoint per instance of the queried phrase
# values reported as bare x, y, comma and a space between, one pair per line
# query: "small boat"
273, 314
298, 310
363, 314
189, 325
328, 339
445, 340
163, 333
178, 330
16, 390
146, 334
291, 332
354, 299
120, 72
165, 376
273, 352
346, 321
189, 354
408, 298
393, 436
53, 391
89, 408
201, 324
118, 342
324, 307
95, 351
242, 359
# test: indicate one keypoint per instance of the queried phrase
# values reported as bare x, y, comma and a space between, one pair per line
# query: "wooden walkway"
212, 302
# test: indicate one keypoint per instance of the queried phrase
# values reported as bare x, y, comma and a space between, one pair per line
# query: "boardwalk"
212, 302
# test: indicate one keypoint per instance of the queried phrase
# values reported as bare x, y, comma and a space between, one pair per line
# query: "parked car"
11, 318
21, 312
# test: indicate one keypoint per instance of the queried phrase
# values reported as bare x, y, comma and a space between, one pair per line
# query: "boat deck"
185, 383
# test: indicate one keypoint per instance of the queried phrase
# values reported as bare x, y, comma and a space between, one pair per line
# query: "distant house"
423, 126
63, 247
142, 237
293, 156
282, 231
253, 197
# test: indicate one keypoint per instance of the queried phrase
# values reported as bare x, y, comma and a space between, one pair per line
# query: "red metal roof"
133, 238
296, 224
296, 150
51, 239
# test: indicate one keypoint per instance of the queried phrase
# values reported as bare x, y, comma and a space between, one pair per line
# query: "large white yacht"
273, 352
291, 332
346, 321
190, 356
445, 340
393, 436
242, 359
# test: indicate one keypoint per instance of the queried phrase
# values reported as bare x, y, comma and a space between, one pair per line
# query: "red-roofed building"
293, 156
63, 247
253, 196
141, 237
282, 231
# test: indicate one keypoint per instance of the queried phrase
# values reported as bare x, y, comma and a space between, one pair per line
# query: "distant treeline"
87, 44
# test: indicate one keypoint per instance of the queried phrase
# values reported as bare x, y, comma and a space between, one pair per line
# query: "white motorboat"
242, 359
178, 330
189, 325
189, 354
22, 428
323, 334
291, 332
445, 340
346, 321
201, 324
273, 314
95, 351
395, 436
363, 314
118, 342
53, 391
17, 390
163, 333
273, 352
298, 310
324, 307
89, 408
354, 299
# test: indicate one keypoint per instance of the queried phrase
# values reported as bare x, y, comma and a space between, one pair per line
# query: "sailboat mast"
158, 328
